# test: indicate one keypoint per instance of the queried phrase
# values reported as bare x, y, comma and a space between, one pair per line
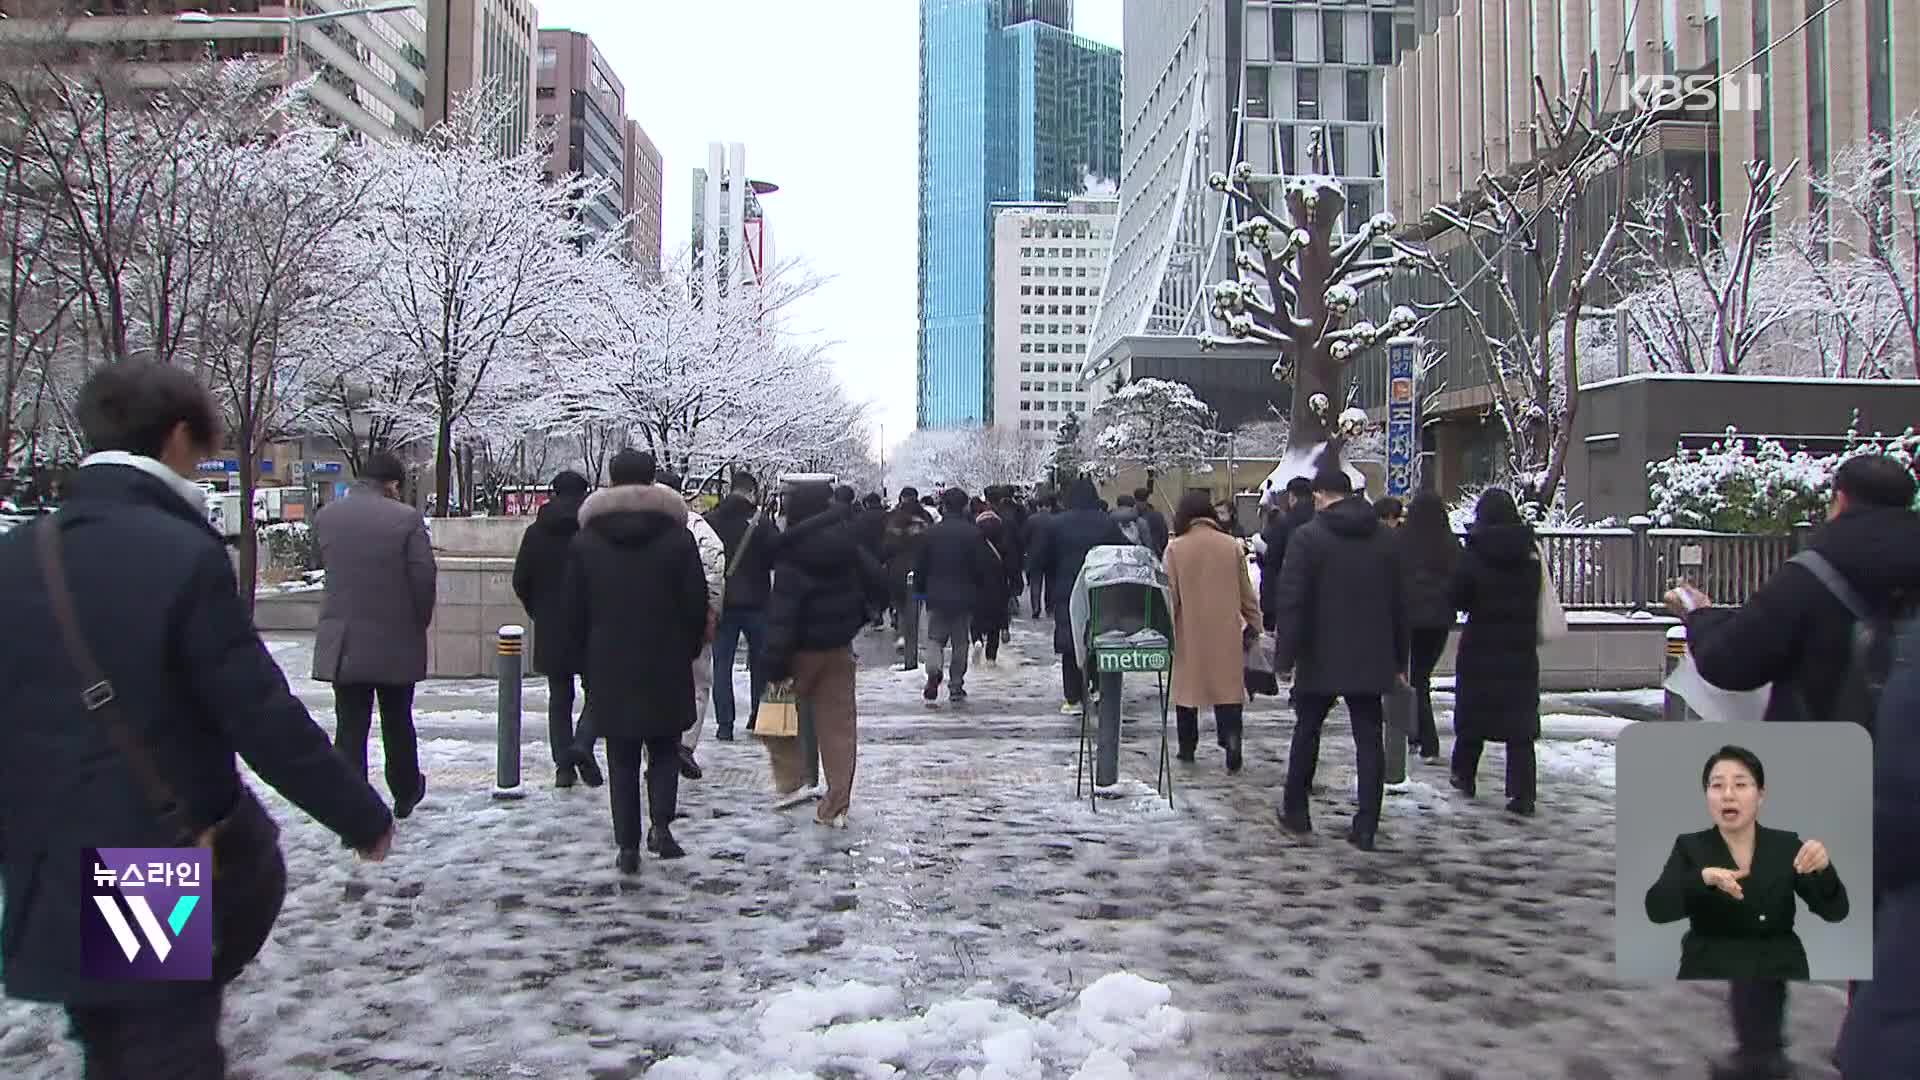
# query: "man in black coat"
906, 531
750, 537
540, 581
1156, 521
955, 569
1059, 551
870, 532
637, 598
156, 604
1796, 634
1343, 632
1298, 511
1038, 522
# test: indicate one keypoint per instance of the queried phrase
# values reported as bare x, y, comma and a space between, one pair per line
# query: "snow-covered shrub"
288, 545
1729, 487
1557, 516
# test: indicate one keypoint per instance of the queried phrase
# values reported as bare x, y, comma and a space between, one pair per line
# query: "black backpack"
1874, 650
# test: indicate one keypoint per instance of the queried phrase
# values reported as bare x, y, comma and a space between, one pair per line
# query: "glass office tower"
1013, 107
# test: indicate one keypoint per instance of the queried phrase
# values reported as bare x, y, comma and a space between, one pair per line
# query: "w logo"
149, 926
147, 915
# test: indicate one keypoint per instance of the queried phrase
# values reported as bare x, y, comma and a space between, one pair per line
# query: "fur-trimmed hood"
633, 514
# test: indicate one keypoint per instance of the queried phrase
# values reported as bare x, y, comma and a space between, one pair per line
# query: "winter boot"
403, 808
1461, 783
563, 777
1360, 837
661, 842
931, 694
689, 768
588, 768
629, 861
1235, 760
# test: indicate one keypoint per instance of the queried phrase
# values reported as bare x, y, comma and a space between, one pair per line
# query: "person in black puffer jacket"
750, 538
1059, 551
1272, 549
993, 618
540, 581
1497, 674
822, 584
1429, 553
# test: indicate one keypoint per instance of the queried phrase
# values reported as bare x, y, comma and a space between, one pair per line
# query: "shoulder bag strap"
98, 697
746, 542
1837, 584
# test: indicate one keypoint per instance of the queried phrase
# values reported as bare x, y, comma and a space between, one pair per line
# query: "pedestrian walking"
1158, 534
1270, 548
1038, 522
993, 618
1215, 617
870, 532
821, 586
638, 598
906, 533
372, 639
1391, 512
1343, 630
1059, 552
1126, 515
1429, 553
955, 573
749, 535
128, 583
1798, 633
713, 565
1497, 672
540, 581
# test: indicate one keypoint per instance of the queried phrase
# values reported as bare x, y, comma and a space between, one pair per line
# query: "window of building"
1382, 38
1053, 348
544, 93
1333, 37
1359, 206
1026, 271
1359, 99
1259, 78
1282, 34
549, 58
1307, 86
1025, 346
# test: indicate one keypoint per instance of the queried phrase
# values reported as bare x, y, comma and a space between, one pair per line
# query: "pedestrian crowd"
132, 675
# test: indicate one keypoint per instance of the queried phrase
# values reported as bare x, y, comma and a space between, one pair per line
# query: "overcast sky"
825, 95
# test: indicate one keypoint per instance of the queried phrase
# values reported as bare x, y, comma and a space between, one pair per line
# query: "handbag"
1260, 677
1553, 617
779, 714
249, 871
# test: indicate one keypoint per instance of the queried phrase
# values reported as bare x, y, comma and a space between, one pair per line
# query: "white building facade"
1048, 263
732, 241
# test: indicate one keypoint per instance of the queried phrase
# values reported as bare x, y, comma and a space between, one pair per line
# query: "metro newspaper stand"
1122, 613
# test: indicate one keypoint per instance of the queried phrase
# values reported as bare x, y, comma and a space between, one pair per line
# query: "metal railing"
1629, 569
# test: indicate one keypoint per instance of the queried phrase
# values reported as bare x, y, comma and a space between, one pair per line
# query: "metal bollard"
1106, 757
1674, 707
506, 782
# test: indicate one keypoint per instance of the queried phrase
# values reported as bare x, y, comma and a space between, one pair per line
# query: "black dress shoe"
588, 768
629, 861
1298, 826
403, 808
1186, 754
725, 734
1462, 784
1361, 838
689, 768
563, 777
1234, 757
1516, 806
661, 842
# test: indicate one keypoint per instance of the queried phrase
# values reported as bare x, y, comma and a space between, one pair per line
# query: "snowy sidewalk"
951, 930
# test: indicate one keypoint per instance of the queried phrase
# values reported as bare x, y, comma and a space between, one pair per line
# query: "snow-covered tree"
1872, 192
1069, 454
970, 458
1156, 426
1299, 285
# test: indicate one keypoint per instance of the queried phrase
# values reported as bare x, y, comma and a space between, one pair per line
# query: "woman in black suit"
1735, 883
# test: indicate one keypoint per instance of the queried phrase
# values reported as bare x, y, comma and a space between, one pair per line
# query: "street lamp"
293, 23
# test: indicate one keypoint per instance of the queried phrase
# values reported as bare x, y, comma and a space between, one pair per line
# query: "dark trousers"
735, 622
1073, 682
1037, 593
176, 1039
1759, 1016
1521, 785
353, 719
1367, 715
1428, 645
1226, 723
623, 784
565, 739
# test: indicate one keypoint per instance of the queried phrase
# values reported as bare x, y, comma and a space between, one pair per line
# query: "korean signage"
1403, 417
148, 914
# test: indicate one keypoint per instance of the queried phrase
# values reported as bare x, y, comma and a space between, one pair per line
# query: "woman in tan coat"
1215, 614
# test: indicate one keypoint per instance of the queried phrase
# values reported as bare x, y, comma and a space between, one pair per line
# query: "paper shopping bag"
1713, 703
779, 714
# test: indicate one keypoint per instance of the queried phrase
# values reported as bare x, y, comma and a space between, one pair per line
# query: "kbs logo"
148, 914
1663, 93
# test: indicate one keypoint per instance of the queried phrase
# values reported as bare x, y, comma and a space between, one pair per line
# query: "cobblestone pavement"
499, 942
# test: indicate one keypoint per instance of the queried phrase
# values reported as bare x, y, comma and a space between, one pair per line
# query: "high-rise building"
1040, 336
646, 184
584, 104
1013, 107
475, 44
1210, 84
732, 241
370, 72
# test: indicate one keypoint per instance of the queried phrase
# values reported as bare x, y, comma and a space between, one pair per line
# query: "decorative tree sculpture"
1298, 285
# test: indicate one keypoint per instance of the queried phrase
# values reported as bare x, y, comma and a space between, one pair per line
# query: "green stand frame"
1122, 660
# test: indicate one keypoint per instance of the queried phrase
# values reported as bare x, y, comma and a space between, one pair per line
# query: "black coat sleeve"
1291, 598
1825, 894
238, 685
783, 626
1402, 620
1039, 549
1748, 647
1460, 588
579, 607
1678, 890
690, 596
523, 583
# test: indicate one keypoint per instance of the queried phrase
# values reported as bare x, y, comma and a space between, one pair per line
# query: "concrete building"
646, 188
482, 43
732, 240
1043, 256
373, 70
1013, 107
1208, 84
584, 104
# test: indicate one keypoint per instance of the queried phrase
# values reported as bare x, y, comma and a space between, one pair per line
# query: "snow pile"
1588, 759
843, 1028
1301, 461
